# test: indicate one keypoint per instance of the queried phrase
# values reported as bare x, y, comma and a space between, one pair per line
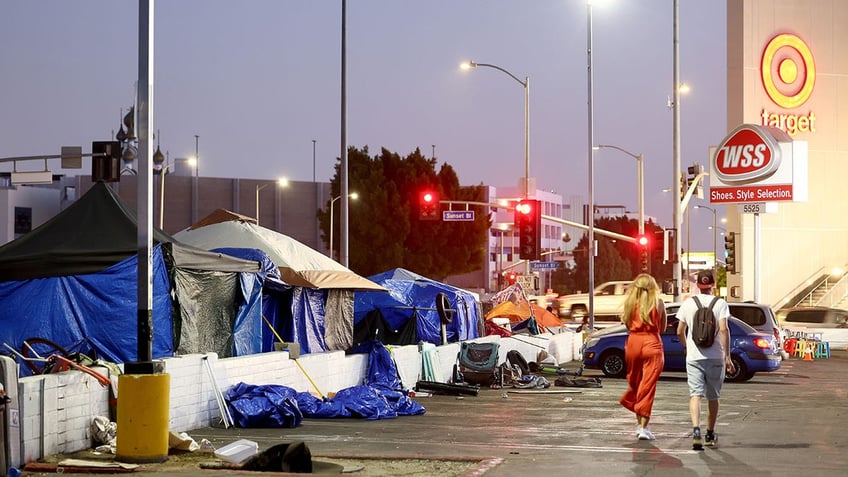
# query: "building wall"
800, 240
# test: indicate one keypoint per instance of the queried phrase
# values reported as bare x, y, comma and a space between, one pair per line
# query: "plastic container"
238, 451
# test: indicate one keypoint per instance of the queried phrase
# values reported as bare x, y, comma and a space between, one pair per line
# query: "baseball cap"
705, 279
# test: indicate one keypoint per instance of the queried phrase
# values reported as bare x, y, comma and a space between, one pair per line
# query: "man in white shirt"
705, 366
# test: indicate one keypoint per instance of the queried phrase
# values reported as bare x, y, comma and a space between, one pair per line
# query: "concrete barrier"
56, 410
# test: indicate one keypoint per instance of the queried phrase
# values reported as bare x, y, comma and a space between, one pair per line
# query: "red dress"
643, 354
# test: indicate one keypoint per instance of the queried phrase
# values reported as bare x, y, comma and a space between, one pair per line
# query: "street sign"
527, 282
544, 265
754, 208
458, 215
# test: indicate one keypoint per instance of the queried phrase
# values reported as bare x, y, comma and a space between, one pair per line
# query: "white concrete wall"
56, 411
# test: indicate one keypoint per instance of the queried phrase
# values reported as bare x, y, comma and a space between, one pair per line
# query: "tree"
384, 230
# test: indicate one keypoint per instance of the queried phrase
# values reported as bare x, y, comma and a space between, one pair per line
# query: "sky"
259, 83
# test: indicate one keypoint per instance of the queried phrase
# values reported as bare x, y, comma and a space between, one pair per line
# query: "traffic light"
643, 242
511, 277
693, 171
528, 225
106, 161
730, 251
428, 205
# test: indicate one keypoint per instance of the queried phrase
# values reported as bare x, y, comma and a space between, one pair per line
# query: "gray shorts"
705, 377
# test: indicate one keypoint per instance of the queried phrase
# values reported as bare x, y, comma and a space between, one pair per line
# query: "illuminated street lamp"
282, 182
526, 85
353, 196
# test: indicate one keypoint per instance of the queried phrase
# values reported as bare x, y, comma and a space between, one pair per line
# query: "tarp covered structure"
73, 281
312, 304
414, 296
518, 312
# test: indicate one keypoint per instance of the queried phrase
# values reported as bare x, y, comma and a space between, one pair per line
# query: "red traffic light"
428, 202
524, 207
427, 197
642, 240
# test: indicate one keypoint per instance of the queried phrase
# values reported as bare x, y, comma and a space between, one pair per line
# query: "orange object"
808, 354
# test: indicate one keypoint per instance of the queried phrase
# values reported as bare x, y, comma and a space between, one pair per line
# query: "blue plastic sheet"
382, 397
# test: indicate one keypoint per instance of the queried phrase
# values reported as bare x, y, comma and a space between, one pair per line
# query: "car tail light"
776, 333
762, 343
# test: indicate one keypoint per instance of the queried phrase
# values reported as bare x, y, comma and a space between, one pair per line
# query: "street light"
352, 195
526, 85
715, 253
282, 182
640, 178
196, 154
590, 246
164, 170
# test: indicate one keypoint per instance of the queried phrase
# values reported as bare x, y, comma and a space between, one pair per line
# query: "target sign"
788, 71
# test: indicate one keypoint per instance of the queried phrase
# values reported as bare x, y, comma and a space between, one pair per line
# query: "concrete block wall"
57, 410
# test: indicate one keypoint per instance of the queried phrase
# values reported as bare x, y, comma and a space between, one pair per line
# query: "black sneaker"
710, 440
697, 443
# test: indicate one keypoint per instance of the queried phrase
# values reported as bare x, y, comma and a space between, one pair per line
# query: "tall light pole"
526, 85
640, 178
196, 155
715, 252
590, 247
282, 182
676, 147
352, 195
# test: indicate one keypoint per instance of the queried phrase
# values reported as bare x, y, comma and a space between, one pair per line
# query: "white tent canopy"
299, 264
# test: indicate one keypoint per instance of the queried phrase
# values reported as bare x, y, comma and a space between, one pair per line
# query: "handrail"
836, 294
785, 301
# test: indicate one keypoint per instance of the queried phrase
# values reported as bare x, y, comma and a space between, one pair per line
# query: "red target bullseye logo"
788, 71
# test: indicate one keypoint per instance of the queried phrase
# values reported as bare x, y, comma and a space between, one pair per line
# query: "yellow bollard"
143, 404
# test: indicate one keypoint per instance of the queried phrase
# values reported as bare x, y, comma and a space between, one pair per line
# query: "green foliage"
384, 230
615, 259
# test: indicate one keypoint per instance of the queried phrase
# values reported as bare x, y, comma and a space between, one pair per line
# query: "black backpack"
704, 327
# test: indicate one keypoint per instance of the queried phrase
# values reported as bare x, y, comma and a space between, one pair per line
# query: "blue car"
751, 351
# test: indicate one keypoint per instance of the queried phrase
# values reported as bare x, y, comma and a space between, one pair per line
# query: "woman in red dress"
644, 315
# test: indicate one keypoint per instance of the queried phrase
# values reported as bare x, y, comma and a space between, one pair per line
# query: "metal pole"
675, 187
331, 225
640, 173
591, 244
196, 155
162, 197
715, 251
343, 245
688, 250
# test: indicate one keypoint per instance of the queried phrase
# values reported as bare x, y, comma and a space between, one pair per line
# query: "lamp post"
715, 253
282, 182
352, 195
196, 154
191, 162
590, 246
640, 178
526, 85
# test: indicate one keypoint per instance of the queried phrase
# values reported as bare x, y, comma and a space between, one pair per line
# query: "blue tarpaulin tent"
73, 281
412, 294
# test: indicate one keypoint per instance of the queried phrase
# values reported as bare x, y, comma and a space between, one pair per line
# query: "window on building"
23, 220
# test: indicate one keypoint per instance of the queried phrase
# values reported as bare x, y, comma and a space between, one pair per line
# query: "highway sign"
544, 265
458, 215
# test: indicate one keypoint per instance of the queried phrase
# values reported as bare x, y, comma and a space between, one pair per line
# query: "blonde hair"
643, 292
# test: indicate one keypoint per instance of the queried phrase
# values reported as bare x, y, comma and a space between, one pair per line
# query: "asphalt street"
790, 422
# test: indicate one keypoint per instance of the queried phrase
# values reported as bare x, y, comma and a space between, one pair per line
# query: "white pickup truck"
608, 302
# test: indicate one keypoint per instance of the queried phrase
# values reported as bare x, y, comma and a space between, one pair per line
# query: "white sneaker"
638, 431
646, 435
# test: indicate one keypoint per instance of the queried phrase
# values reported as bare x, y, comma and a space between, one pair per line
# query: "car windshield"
744, 328
806, 316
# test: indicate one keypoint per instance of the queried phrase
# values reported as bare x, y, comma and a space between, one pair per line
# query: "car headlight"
591, 342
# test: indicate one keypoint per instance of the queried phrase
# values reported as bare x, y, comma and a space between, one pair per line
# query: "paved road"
792, 422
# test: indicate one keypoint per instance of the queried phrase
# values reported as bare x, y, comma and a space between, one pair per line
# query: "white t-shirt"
686, 313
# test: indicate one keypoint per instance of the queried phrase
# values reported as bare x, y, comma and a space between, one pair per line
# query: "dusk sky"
258, 81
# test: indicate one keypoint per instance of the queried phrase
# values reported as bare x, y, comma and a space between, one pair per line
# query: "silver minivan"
815, 317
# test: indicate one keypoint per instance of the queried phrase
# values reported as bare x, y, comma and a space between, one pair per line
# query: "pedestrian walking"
644, 315
705, 365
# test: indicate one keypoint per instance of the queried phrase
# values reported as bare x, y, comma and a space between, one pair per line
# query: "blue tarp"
60, 309
409, 292
272, 405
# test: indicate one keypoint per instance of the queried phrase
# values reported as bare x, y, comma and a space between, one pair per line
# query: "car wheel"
612, 364
740, 371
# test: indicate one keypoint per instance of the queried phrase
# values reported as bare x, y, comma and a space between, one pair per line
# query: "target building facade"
787, 68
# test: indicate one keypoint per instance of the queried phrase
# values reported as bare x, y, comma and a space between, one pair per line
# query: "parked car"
751, 351
607, 303
815, 317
